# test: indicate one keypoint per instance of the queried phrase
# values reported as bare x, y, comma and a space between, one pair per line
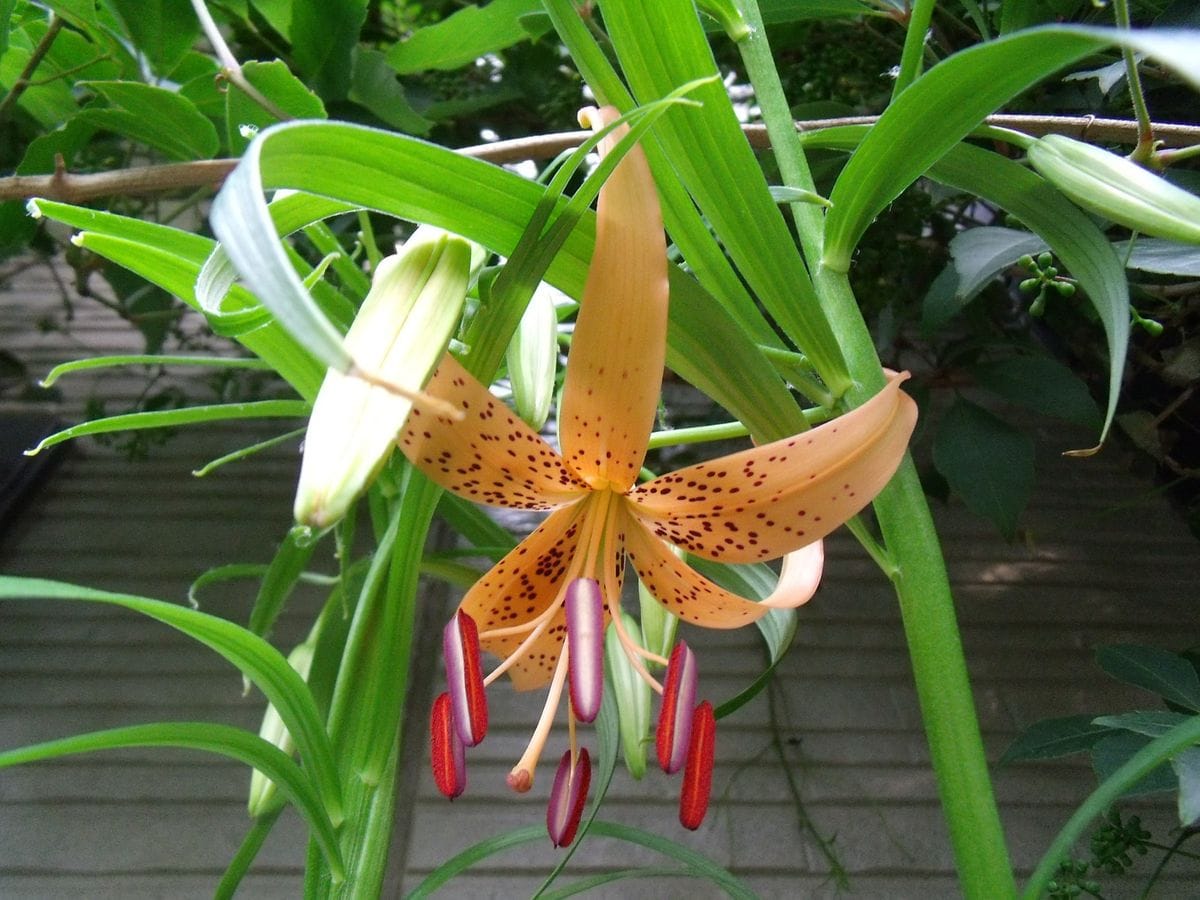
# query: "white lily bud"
396, 341
262, 789
1117, 188
533, 358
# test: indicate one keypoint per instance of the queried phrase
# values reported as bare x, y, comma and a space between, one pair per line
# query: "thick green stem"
1144, 151
914, 45
919, 573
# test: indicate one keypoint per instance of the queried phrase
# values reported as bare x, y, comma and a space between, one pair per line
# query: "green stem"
1144, 151
914, 45
1134, 770
911, 542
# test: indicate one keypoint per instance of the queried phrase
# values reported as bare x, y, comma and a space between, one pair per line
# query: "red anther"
585, 647
675, 715
697, 774
447, 753
567, 797
464, 676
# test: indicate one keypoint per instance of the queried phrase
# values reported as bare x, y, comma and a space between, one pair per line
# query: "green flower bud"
1064, 288
262, 789
1029, 285
533, 358
632, 695
1044, 260
1116, 188
396, 341
658, 624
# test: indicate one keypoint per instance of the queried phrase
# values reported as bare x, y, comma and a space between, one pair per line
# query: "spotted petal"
764, 502
615, 369
695, 599
490, 456
522, 586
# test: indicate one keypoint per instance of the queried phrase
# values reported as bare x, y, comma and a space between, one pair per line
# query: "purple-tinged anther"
567, 797
464, 676
675, 716
585, 647
447, 753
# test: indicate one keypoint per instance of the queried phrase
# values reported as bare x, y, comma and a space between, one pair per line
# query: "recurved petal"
518, 589
764, 502
695, 599
615, 368
490, 456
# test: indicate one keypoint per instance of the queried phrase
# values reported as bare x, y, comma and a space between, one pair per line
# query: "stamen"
567, 797
464, 675
447, 753
585, 639
697, 774
520, 779
675, 716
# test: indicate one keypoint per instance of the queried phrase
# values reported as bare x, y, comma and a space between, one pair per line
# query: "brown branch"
73, 188
35, 59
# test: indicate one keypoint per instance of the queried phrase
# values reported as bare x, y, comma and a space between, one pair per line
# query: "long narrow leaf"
257, 660
421, 182
941, 107
211, 737
147, 359
168, 418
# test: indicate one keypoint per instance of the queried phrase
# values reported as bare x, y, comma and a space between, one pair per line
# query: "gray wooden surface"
1104, 561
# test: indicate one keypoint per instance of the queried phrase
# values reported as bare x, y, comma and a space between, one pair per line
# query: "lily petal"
764, 502
615, 369
490, 456
520, 588
695, 599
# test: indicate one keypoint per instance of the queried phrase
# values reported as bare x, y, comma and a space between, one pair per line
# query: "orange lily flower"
775, 500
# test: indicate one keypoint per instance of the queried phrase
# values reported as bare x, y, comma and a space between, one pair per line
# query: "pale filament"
529, 759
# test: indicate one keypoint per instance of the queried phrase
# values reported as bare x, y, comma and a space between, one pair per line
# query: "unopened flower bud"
632, 695
1117, 188
533, 358
395, 342
263, 792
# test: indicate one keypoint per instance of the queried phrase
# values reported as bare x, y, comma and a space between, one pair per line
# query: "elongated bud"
464, 677
697, 774
397, 338
1117, 188
262, 789
632, 695
585, 647
675, 716
658, 624
533, 358
447, 754
567, 797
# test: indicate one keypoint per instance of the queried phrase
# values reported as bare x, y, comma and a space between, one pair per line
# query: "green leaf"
164, 30
1041, 384
1161, 256
944, 105
414, 180
987, 462
275, 82
1051, 738
462, 37
324, 35
778, 626
376, 87
192, 415
1151, 723
1167, 674
1187, 770
1111, 753
980, 254
247, 851
278, 14
6, 11
143, 359
257, 660
210, 737
162, 119
280, 579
